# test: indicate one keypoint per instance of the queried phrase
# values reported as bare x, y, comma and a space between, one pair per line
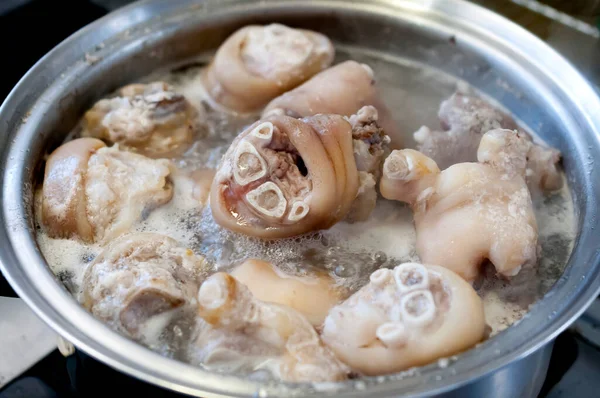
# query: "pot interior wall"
174, 39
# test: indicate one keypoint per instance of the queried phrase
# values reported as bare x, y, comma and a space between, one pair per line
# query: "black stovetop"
575, 364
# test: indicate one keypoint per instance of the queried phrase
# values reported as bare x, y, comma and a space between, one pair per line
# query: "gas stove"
575, 361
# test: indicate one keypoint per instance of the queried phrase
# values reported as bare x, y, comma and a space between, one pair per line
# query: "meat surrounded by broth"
341, 90
465, 119
95, 193
151, 119
470, 211
405, 317
271, 336
139, 276
283, 176
258, 63
298, 310
312, 295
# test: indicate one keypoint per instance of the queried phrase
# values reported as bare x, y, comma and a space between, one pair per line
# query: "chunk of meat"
139, 276
342, 89
405, 317
64, 203
505, 150
283, 176
369, 141
469, 212
261, 335
464, 120
312, 296
257, 63
543, 168
96, 193
150, 119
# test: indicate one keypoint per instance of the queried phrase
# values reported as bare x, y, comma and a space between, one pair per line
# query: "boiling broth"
347, 252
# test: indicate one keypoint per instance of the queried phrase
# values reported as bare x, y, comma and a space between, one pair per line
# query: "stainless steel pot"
458, 38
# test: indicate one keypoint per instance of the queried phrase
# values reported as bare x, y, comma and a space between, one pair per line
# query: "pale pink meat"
405, 317
258, 63
468, 212
139, 276
95, 193
283, 339
151, 119
342, 89
283, 176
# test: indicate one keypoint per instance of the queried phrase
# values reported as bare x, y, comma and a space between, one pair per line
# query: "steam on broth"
347, 254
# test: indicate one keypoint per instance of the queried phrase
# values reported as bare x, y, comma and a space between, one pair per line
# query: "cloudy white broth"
164, 288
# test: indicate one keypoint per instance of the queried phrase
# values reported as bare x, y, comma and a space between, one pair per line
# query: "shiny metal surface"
458, 38
522, 378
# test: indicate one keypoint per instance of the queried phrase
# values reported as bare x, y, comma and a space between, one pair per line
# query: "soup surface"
347, 252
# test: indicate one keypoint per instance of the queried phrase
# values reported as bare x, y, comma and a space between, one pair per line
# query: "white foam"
348, 252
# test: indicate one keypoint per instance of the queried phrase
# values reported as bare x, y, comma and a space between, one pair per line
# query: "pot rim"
22, 264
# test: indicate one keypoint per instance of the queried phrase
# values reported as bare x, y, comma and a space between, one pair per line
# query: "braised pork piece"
261, 216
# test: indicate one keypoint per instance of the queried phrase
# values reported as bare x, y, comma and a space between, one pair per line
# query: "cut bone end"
411, 276
397, 166
216, 292
268, 200
264, 131
392, 334
299, 211
408, 165
380, 277
248, 164
418, 308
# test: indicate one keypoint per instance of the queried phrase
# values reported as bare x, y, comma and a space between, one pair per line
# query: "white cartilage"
410, 277
246, 159
417, 308
264, 131
213, 294
258, 199
383, 329
299, 211
381, 276
408, 165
